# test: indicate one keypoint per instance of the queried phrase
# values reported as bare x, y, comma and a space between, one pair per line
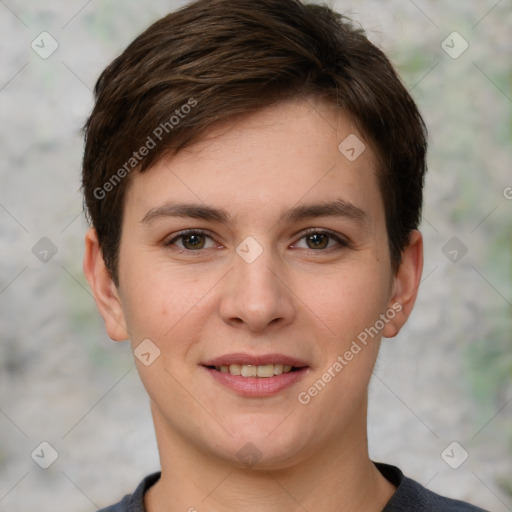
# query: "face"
262, 251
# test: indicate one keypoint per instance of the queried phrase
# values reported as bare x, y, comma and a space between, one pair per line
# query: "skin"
297, 298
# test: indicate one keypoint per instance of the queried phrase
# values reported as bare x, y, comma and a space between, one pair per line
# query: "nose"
256, 296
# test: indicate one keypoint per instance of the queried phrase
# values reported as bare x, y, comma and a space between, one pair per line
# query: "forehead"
275, 158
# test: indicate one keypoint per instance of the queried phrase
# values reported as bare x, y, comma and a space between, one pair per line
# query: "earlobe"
103, 288
407, 281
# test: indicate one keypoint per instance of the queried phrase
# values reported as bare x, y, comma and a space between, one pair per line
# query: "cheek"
348, 305
348, 301
165, 306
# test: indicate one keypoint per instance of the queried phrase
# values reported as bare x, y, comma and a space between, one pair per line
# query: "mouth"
256, 376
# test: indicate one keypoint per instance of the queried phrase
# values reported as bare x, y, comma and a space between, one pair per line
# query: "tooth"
235, 369
278, 369
249, 370
265, 370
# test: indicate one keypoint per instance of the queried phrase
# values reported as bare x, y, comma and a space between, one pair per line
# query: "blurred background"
440, 400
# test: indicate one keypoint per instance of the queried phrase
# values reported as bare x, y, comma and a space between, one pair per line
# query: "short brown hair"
215, 59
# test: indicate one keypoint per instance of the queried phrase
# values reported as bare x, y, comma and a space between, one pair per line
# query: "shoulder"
410, 496
134, 502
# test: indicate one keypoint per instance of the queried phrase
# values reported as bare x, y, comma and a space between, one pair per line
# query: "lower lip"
258, 386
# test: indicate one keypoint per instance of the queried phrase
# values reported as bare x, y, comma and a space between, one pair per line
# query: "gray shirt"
410, 496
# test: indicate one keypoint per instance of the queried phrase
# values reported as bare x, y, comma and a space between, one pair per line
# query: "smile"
250, 370
255, 376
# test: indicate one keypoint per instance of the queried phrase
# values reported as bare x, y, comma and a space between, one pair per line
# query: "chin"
269, 443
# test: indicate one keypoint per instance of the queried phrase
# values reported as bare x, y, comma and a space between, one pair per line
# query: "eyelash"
343, 243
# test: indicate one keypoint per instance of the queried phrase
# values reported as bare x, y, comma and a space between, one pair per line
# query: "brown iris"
193, 241
317, 240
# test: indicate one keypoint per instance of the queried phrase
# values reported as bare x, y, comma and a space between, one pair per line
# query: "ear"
407, 282
103, 288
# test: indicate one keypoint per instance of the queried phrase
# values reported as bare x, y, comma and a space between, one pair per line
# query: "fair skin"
305, 296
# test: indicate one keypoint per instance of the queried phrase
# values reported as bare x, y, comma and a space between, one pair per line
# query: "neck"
338, 477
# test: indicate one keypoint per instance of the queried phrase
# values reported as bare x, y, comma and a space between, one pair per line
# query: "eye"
318, 240
191, 240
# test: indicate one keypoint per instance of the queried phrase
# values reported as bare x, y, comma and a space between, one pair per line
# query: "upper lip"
255, 360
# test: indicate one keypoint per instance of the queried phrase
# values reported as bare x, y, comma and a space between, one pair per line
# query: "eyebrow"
337, 208
193, 210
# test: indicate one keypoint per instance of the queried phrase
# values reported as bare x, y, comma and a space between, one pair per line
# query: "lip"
255, 360
256, 387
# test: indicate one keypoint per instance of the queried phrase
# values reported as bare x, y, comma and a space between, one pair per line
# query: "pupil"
318, 240
193, 241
